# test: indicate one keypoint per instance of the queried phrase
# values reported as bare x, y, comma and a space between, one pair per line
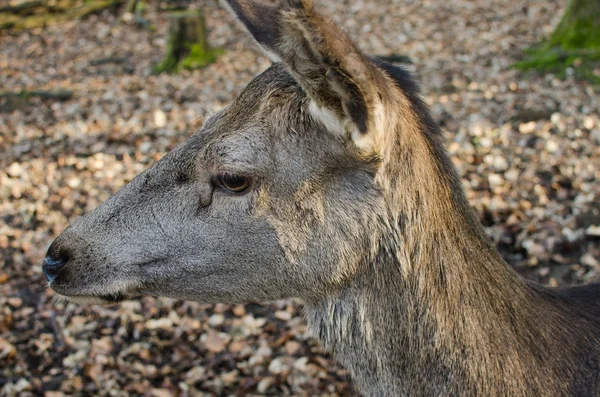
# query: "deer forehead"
271, 123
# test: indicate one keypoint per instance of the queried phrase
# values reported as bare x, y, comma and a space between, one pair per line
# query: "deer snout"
52, 267
54, 262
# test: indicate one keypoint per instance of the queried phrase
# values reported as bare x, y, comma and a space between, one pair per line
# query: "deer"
327, 180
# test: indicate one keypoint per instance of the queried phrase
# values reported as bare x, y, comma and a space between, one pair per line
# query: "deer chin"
102, 300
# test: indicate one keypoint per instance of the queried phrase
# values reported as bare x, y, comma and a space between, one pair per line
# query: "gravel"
527, 147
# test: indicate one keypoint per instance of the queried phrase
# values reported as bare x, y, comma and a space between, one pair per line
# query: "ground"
527, 147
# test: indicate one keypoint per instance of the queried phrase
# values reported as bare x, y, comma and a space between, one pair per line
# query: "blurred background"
94, 91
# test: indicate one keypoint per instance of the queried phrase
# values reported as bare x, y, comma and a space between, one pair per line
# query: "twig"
104, 61
60, 341
60, 95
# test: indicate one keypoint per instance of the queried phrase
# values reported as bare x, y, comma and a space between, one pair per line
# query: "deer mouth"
87, 292
93, 296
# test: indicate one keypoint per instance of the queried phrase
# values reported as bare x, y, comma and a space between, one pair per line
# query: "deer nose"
52, 266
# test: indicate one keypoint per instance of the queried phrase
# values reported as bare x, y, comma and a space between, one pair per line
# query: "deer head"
327, 180
281, 194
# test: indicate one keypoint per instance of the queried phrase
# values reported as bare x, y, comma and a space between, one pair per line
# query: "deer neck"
432, 312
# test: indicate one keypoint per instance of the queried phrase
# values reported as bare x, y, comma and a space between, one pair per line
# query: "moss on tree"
187, 46
575, 43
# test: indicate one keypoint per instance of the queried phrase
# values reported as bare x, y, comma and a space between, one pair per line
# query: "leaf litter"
527, 147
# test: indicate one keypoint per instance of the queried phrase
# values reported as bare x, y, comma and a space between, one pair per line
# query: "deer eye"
233, 183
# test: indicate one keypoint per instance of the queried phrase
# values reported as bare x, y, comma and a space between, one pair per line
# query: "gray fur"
356, 208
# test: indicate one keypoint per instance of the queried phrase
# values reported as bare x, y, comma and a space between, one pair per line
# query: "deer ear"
348, 92
260, 21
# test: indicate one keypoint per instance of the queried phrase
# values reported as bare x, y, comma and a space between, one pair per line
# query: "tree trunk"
579, 27
187, 46
574, 46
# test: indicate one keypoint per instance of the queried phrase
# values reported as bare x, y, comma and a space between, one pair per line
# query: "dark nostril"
51, 267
